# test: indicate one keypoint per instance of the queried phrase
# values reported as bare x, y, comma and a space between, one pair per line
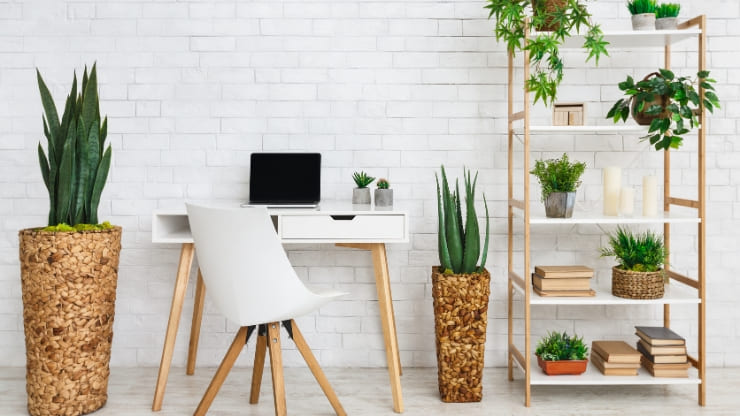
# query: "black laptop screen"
285, 178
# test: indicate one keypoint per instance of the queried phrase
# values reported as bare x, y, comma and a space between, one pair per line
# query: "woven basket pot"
637, 285
645, 119
460, 318
69, 291
550, 7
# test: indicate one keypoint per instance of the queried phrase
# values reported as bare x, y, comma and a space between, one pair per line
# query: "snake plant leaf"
454, 239
458, 210
484, 255
99, 184
66, 172
50, 109
444, 254
83, 169
103, 134
44, 166
472, 239
90, 99
93, 159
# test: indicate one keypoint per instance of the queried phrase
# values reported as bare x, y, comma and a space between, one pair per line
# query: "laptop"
285, 180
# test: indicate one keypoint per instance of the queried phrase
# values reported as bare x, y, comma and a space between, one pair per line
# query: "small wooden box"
568, 114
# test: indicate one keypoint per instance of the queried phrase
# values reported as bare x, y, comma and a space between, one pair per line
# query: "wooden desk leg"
178, 297
200, 296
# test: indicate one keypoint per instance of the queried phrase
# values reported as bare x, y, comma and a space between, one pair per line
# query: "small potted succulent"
384, 193
639, 274
643, 14
668, 104
361, 194
559, 179
560, 354
666, 16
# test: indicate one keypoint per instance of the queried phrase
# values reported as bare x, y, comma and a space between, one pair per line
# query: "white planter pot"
384, 197
643, 21
361, 196
666, 23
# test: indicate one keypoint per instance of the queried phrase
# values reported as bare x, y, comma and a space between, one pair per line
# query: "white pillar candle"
649, 196
612, 185
627, 201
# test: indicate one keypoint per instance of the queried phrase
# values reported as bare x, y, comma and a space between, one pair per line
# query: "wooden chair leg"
259, 366
276, 364
223, 370
313, 365
200, 296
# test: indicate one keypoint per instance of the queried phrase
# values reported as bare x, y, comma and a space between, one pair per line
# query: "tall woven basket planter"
69, 291
460, 318
637, 285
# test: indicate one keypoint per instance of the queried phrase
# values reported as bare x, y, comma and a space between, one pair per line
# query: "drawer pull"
343, 217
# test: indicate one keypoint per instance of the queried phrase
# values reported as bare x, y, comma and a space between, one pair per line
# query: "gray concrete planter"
666, 23
560, 204
643, 21
361, 196
384, 197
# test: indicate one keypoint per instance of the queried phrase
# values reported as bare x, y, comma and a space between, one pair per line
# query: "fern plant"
362, 179
641, 6
77, 167
383, 183
558, 175
556, 346
459, 243
644, 252
667, 10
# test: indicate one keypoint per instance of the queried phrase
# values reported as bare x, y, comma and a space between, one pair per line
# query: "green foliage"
546, 62
641, 6
558, 175
383, 183
643, 252
362, 179
679, 116
667, 10
77, 167
556, 346
77, 227
459, 245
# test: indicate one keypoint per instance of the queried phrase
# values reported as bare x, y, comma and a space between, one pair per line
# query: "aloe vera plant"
459, 244
76, 168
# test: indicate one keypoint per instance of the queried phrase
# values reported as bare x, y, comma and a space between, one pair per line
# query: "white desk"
354, 226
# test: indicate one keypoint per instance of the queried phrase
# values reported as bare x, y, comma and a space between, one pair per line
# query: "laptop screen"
285, 178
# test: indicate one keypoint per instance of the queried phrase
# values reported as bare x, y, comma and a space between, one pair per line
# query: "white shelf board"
596, 217
593, 377
631, 129
675, 293
628, 39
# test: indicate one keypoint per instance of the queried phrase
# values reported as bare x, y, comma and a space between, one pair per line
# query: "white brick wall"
392, 87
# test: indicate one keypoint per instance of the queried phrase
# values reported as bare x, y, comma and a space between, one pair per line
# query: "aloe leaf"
484, 255
458, 210
444, 254
454, 240
100, 178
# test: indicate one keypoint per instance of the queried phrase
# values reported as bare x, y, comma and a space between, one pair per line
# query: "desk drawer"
351, 227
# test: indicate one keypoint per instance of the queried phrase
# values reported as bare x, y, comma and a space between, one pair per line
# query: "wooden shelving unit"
682, 290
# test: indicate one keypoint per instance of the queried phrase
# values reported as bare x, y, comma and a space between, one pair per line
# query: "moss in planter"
62, 227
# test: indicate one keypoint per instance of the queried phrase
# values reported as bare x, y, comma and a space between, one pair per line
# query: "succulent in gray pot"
666, 16
361, 194
383, 194
559, 179
643, 14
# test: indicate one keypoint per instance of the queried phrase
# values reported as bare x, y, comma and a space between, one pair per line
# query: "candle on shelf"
612, 183
627, 201
649, 196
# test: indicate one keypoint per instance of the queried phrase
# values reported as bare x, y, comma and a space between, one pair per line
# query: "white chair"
251, 282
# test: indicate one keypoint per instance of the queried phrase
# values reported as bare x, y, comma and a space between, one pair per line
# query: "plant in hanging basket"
559, 179
560, 354
670, 105
460, 291
639, 274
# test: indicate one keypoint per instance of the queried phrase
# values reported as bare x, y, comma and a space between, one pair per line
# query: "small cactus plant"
383, 183
362, 179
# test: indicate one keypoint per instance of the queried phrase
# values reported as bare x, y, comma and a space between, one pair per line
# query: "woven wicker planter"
460, 318
637, 285
69, 291
551, 6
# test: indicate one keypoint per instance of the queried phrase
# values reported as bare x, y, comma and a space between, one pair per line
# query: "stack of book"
563, 281
615, 358
663, 351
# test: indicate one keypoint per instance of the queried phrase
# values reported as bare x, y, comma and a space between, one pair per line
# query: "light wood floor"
366, 392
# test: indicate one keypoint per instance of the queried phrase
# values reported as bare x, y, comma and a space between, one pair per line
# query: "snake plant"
459, 244
76, 168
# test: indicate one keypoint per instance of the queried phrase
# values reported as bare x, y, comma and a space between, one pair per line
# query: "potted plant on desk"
460, 291
559, 179
361, 194
69, 273
560, 354
639, 274
384, 194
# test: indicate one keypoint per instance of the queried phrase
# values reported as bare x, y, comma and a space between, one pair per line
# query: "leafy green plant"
558, 175
383, 183
642, 252
77, 167
641, 6
667, 10
678, 116
546, 62
459, 244
556, 346
362, 179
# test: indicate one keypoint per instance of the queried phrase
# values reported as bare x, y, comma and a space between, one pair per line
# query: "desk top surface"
328, 207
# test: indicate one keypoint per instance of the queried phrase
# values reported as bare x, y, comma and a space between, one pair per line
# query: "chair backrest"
245, 269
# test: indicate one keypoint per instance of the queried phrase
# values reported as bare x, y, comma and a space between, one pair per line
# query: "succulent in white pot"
361, 194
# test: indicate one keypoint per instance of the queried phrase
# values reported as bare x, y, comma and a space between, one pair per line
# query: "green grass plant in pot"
555, 20
560, 354
643, 14
666, 16
460, 291
69, 269
559, 178
361, 194
639, 274
670, 105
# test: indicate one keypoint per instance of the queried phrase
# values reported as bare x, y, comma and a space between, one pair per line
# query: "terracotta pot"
562, 367
549, 7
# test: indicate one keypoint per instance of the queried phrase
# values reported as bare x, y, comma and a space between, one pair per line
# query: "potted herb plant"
560, 354
669, 105
555, 21
361, 194
643, 14
69, 272
384, 193
639, 274
666, 16
460, 290
559, 179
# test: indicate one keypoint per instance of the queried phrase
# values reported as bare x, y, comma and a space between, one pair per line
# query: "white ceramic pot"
361, 196
384, 197
666, 23
643, 21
